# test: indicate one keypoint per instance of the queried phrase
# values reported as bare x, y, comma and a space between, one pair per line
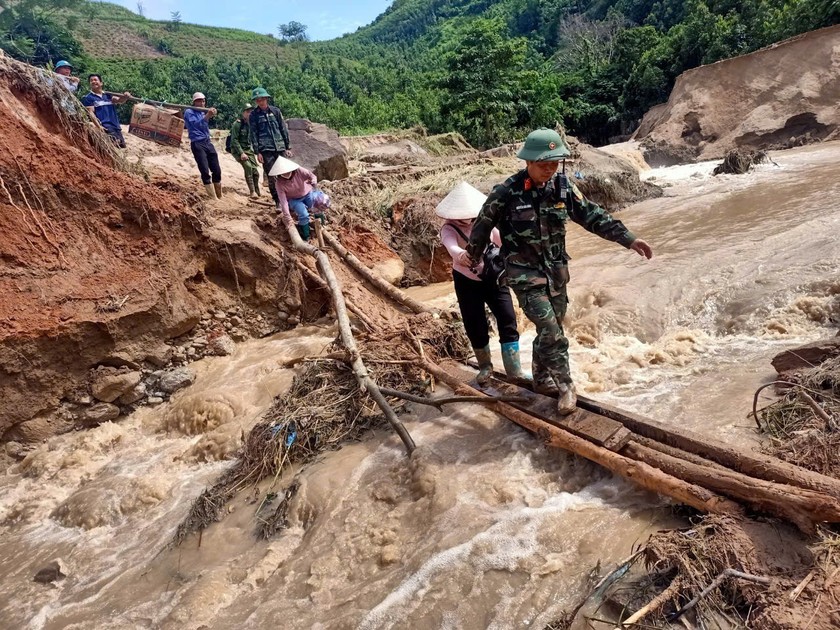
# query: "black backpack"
227, 143
492, 259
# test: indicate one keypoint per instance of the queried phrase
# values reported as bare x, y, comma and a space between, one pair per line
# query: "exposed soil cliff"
97, 266
774, 98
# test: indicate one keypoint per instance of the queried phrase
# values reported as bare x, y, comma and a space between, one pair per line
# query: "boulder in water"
176, 379
807, 356
108, 383
54, 571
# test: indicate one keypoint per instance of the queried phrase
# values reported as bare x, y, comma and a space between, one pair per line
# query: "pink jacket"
300, 184
454, 244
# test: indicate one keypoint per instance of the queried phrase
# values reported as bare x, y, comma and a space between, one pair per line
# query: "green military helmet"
247, 106
260, 92
544, 145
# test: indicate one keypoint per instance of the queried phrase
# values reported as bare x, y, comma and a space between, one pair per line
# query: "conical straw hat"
464, 202
283, 166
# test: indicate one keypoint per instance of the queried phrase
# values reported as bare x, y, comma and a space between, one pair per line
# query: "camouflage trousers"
551, 348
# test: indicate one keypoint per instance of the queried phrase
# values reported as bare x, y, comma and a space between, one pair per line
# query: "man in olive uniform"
531, 210
240, 148
269, 135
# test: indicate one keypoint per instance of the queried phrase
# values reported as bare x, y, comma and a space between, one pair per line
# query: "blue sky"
325, 18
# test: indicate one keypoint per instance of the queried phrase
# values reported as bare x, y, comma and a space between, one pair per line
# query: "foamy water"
484, 527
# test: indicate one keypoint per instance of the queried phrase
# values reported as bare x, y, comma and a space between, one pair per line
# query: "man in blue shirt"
202, 149
101, 107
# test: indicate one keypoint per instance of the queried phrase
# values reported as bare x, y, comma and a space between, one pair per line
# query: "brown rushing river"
484, 528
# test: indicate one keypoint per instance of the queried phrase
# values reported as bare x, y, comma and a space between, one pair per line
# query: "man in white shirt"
63, 69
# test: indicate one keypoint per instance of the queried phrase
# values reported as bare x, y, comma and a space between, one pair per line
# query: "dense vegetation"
491, 69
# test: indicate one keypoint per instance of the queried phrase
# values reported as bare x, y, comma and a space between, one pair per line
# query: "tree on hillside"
36, 31
588, 45
141, 9
484, 82
175, 21
293, 32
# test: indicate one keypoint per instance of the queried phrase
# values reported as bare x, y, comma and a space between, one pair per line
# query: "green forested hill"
491, 69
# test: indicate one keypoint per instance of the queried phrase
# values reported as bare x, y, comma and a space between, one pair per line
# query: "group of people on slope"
258, 136
525, 217
523, 221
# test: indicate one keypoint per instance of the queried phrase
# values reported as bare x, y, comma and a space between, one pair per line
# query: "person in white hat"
206, 157
475, 286
295, 188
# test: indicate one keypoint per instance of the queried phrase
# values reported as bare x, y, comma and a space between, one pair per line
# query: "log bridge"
691, 469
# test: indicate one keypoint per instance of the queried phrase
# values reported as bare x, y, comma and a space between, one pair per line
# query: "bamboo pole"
638, 472
378, 282
356, 363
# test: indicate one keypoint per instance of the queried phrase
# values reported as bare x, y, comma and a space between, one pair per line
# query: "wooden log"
753, 464
638, 472
749, 463
378, 282
602, 431
347, 339
653, 605
802, 507
359, 313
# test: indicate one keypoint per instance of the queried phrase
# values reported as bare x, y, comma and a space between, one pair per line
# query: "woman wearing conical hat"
459, 208
295, 186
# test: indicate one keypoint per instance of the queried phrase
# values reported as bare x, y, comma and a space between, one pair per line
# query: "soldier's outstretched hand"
642, 248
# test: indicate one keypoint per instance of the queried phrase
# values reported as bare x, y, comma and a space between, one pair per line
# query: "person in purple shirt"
102, 110
203, 151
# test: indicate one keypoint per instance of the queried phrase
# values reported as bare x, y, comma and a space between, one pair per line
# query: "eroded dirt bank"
781, 96
101, 267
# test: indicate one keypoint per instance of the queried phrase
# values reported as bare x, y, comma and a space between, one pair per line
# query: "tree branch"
356, 363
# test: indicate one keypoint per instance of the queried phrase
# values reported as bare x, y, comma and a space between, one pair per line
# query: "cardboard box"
156, 124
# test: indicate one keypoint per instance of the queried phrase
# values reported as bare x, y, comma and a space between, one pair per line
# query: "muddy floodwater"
484, 528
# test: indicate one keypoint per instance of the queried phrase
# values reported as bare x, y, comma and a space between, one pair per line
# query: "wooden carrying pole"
163, 104
356, 363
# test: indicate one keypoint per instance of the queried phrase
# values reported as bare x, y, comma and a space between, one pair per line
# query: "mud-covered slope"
777, 97
97, 266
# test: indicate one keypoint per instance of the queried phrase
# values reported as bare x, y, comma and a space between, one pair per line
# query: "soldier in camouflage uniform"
240, 148
531, 210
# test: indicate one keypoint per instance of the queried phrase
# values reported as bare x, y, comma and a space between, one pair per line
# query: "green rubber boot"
303, 230
257, 184
512, 363
485, 365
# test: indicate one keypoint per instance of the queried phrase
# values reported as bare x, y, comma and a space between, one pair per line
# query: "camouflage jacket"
268, 130
532, 222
